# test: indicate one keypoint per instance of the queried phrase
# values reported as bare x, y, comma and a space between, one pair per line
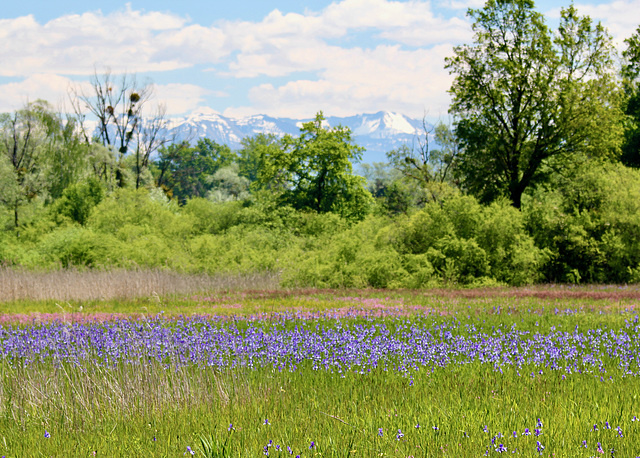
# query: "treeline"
536, 180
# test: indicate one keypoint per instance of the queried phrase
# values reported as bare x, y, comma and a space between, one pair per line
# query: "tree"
430, 168
117, 107
526, 99
631, 81
68, 161
314, 171
253, 150
151, 136
26, 136
228, 185
185, 171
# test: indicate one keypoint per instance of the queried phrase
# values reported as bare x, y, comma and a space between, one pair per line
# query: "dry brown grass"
71, 284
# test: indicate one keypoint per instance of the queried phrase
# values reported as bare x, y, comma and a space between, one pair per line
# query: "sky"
283, 58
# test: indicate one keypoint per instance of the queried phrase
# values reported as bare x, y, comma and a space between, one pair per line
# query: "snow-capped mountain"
377, 133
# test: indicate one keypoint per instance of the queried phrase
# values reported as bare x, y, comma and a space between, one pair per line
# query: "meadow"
223, 369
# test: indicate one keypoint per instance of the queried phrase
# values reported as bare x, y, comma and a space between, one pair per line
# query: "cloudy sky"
286, 58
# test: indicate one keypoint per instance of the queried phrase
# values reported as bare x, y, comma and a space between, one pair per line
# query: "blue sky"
281, 58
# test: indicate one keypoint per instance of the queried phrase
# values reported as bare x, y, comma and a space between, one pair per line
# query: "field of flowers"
444, 375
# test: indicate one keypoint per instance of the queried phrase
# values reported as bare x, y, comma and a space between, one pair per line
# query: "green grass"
340, 415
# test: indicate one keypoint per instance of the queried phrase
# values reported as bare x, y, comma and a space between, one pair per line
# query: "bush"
589, 224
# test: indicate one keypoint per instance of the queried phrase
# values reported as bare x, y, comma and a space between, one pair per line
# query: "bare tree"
151, 135
116, 104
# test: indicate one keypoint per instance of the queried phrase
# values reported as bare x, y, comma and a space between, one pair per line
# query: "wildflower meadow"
319, 373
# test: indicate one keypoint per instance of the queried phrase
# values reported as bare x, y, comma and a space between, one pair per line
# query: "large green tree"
186, 171
631, 78
525, 98
315, 171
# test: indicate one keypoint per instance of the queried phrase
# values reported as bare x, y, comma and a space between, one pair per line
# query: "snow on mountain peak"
203, 113
378, 133
398, 124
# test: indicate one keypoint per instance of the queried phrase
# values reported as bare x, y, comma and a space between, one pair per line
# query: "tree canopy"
315, 171
526, 98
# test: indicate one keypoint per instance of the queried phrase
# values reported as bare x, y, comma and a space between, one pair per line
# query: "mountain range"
377, 133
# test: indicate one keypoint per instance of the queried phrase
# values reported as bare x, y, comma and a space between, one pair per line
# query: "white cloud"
620, 16
47, 86
362, 81
182, 98
126, 40
282, 44
461, 5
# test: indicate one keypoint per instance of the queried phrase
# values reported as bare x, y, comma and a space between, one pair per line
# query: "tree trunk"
15, 219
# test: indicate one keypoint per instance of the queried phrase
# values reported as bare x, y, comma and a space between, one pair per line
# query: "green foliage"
525, 95
77, 201
78, 246
26, 139
212, 218
228, 185
589, 222
314, 171
185, 170
631, 80
254, 150
430, 170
